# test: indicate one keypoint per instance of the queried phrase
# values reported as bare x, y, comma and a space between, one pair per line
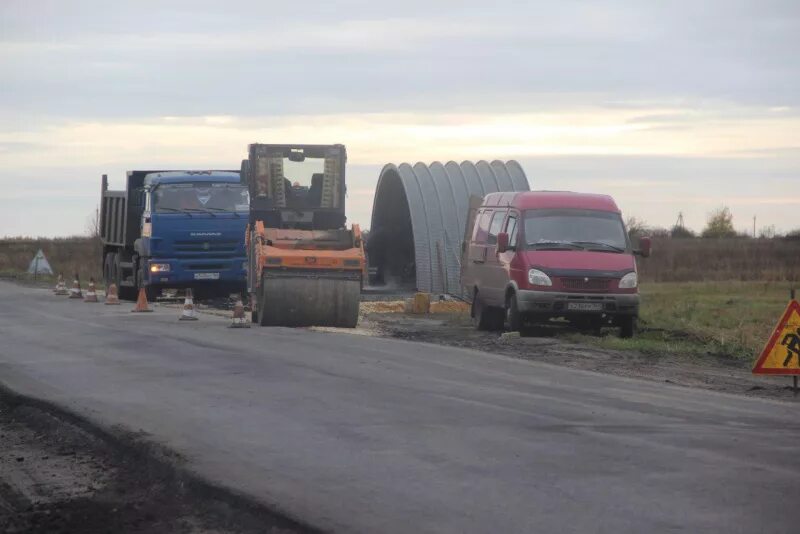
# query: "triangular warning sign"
781, 355
39, 264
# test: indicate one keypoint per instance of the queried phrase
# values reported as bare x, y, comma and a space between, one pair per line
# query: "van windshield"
575, 229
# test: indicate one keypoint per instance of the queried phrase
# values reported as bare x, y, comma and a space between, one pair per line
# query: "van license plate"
206, 276
585, 306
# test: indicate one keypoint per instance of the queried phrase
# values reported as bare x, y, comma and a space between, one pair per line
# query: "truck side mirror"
645, 244
502, 242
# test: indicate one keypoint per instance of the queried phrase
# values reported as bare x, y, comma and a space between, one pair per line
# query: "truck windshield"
574, 229
200, 197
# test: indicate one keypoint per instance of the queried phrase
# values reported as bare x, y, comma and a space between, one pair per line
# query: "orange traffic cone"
61, 287
188, 313
112, 297
239, 320
91, 293
141, 302
75, 292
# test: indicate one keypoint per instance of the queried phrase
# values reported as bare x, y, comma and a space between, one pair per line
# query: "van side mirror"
645, 244
502, 242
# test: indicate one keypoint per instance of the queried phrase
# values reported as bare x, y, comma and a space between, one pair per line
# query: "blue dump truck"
175, 230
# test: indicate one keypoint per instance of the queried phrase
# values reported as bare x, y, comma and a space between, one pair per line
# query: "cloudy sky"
669, 106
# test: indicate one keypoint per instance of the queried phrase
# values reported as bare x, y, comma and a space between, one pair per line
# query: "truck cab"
539, 255
176, 230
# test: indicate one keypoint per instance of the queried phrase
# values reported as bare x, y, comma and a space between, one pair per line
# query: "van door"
475, 203
495, 274
477, 250
504, 259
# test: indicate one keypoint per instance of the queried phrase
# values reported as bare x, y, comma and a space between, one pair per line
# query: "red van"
538, 255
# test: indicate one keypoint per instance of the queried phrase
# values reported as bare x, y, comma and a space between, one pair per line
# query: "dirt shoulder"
555, 346
58, 474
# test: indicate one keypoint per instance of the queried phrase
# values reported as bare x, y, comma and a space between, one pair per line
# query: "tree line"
719, 224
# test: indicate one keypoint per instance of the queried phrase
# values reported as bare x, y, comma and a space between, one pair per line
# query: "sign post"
781, 354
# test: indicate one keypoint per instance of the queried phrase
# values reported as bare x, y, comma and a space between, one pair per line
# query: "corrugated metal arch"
436, 200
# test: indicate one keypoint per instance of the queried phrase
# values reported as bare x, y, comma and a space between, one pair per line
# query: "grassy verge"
723, 319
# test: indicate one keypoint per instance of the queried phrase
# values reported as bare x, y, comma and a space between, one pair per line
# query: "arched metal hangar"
419, 217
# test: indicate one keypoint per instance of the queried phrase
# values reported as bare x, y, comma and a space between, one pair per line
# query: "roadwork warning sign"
781, 355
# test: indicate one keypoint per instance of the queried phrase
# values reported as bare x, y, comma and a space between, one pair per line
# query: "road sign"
39, 264
781, 355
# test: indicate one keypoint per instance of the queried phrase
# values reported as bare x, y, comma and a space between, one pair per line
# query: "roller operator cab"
176, 230
534, 256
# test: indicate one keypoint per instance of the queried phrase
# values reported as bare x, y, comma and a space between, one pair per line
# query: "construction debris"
450, 306
509, 337
407, 306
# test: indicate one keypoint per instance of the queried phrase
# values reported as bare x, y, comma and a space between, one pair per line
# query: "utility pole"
754, 226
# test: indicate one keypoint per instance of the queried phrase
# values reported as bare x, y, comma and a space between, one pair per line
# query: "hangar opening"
390, 246
419, 217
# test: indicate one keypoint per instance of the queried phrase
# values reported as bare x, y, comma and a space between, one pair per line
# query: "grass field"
702, 260
67, 255
728, 319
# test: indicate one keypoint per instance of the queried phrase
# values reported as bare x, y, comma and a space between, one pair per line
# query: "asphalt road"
358, 434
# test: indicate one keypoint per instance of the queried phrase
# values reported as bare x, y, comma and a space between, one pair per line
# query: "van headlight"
159, 267
629, 281
538, 278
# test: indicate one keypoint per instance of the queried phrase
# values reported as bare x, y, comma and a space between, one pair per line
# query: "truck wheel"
152, 293
108, 269
628, 326
113, 271
125, 293
513, 317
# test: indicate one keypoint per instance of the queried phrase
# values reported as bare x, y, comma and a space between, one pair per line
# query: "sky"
670, 107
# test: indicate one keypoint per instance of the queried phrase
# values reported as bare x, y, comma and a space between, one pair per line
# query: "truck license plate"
585, 306
206, 276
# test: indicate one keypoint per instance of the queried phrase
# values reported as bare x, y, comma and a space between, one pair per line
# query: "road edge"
170, 463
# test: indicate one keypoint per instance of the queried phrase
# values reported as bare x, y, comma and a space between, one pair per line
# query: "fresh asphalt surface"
359, 434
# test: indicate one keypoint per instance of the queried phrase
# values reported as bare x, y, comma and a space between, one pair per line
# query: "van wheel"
628, 326
486, 317
513, 317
